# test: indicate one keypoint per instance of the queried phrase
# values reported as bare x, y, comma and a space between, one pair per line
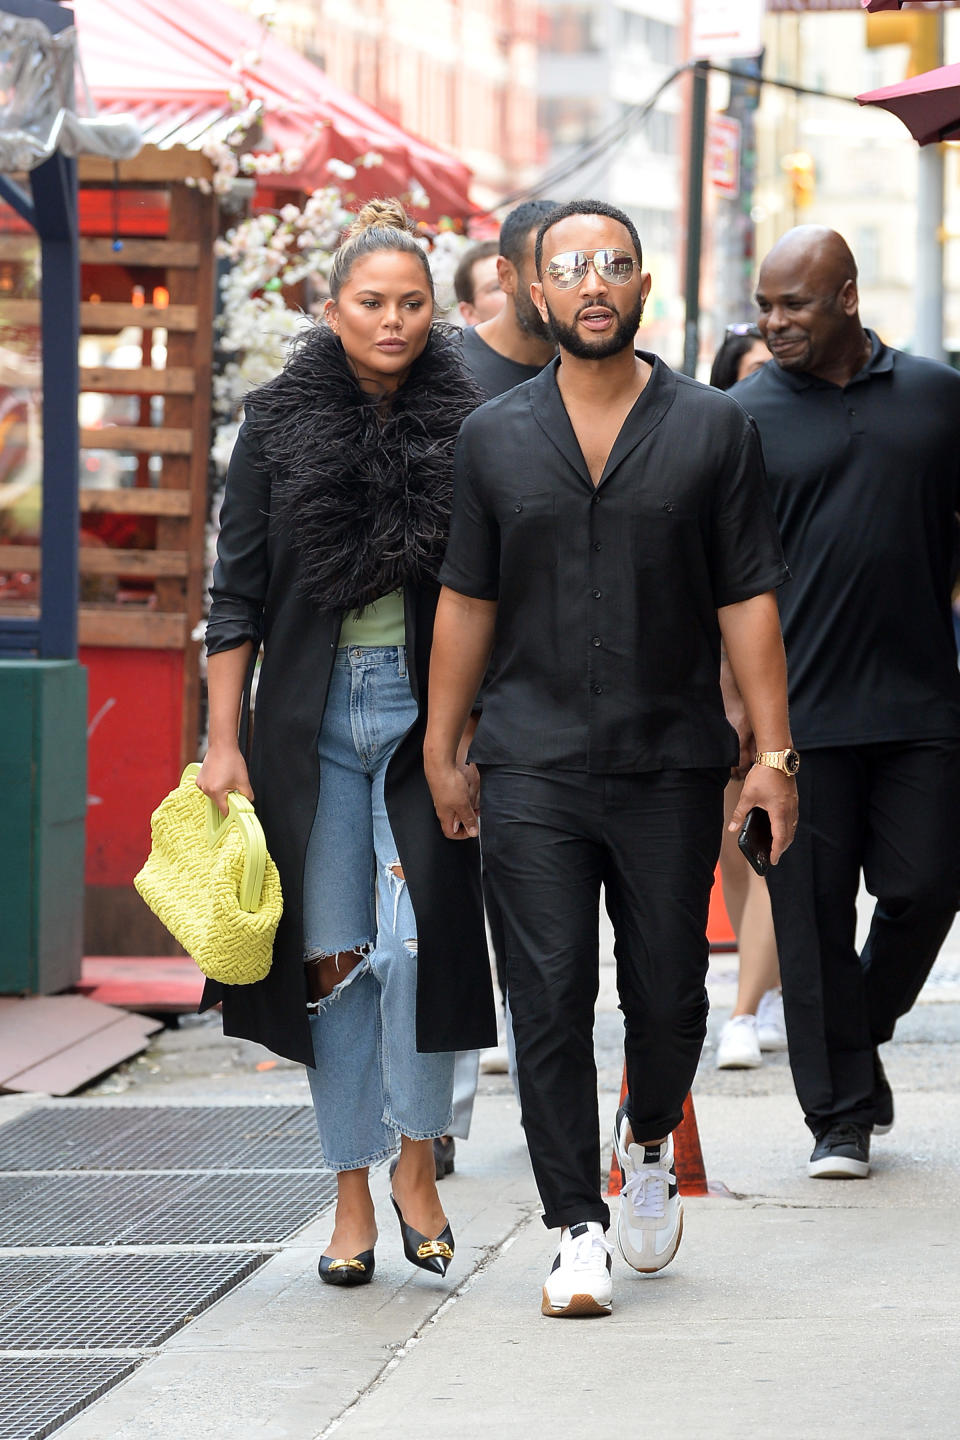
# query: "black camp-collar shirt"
865, 482
607, 648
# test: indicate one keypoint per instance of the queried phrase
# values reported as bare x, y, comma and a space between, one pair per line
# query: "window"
569, 120
570, 29
659, 39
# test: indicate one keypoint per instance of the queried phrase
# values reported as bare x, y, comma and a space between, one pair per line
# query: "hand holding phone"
756, 839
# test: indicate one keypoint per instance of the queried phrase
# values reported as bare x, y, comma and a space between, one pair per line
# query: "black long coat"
257, 591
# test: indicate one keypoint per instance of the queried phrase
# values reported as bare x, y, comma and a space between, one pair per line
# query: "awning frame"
51, 208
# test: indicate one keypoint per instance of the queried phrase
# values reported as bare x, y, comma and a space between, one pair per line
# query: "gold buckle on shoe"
347, 1265
434, 1247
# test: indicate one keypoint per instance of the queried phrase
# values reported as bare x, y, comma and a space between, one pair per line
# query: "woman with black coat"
333, 527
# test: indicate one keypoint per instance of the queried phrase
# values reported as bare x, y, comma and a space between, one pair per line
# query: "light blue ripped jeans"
369, 1084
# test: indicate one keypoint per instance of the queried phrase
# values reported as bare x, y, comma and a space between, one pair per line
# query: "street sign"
723, 155
726, 29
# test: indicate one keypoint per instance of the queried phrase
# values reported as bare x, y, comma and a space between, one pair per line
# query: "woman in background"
756, 1021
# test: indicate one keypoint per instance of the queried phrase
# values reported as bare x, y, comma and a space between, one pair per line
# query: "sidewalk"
795, 1308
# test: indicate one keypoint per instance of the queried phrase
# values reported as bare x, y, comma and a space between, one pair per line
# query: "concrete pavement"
795, 1308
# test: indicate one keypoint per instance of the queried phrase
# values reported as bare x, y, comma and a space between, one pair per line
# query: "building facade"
599, 64
459, 73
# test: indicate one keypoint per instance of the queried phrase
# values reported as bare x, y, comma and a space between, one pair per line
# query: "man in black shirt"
610, 521
862, 449
514, 345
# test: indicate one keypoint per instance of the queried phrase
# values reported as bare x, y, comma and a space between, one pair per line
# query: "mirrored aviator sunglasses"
569, 269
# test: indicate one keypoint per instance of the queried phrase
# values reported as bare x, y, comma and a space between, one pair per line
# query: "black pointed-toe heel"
433, 1255
358, 1270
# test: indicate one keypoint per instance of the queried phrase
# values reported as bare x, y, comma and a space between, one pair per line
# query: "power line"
617, 131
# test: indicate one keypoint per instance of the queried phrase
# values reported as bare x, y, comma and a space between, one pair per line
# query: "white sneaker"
494, 1061
579, 1282
771, 1028
739, 1047
650, 1222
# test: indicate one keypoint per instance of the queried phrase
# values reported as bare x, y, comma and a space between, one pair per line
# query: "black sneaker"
882, 1098
841, 1153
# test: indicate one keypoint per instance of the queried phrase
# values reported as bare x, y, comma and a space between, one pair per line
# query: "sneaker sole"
578, 1307
668, 1255
772, 1047
739, 1064
838, 1169
883, 1129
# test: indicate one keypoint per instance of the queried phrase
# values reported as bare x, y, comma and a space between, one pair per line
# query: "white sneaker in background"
771, 1028
739, 1047
579, 1283
494, 1061
650, 1222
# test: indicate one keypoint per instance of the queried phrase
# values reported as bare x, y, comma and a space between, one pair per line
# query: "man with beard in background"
515, 344
610, 523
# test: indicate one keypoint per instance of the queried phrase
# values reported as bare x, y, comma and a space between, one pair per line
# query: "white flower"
341, 169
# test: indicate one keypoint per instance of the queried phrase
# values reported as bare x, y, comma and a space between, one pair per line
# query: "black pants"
550, 840
892, 810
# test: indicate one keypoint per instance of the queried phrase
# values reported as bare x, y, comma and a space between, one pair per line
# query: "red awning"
174, 63
928, 104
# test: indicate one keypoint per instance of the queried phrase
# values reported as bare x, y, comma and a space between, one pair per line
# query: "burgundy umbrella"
928, 104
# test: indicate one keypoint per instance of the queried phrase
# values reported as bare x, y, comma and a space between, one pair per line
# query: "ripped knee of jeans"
396, 881
324, 974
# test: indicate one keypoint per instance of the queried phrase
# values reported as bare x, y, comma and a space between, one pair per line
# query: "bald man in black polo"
862, 449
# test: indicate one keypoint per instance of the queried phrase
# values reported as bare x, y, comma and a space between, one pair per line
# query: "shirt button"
596, 594
853, 412
596, 640
518, 508
596, 499
668, 507
597, 545
598, 689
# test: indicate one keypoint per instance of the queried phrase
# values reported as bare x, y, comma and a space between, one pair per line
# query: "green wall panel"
43, 784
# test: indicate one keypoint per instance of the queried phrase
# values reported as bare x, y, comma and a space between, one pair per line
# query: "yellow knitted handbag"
212, 883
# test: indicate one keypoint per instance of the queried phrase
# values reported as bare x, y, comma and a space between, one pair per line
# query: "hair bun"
380, 212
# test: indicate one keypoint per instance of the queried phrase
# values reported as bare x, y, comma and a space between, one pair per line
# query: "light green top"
380, 624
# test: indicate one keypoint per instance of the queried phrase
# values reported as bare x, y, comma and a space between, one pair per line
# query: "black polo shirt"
865, 483
607, 649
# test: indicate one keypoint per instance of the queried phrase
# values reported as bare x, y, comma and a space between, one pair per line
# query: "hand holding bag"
212, 883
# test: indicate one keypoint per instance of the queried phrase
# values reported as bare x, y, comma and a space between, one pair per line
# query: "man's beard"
529, 318
569, 337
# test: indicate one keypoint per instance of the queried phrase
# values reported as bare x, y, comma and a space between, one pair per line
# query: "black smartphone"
756, 839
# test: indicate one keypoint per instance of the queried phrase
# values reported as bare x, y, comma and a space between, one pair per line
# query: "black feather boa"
364, 490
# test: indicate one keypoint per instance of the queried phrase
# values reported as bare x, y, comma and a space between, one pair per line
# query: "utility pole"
691, 285
928, 339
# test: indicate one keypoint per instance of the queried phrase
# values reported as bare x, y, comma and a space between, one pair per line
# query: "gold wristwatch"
786, 760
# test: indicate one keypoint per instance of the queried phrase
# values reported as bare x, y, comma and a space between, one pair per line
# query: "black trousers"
550, 840
892, 811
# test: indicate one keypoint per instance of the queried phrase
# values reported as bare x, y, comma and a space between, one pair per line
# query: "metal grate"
109, 1302
259, 1208
37, 1396
168, 1137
